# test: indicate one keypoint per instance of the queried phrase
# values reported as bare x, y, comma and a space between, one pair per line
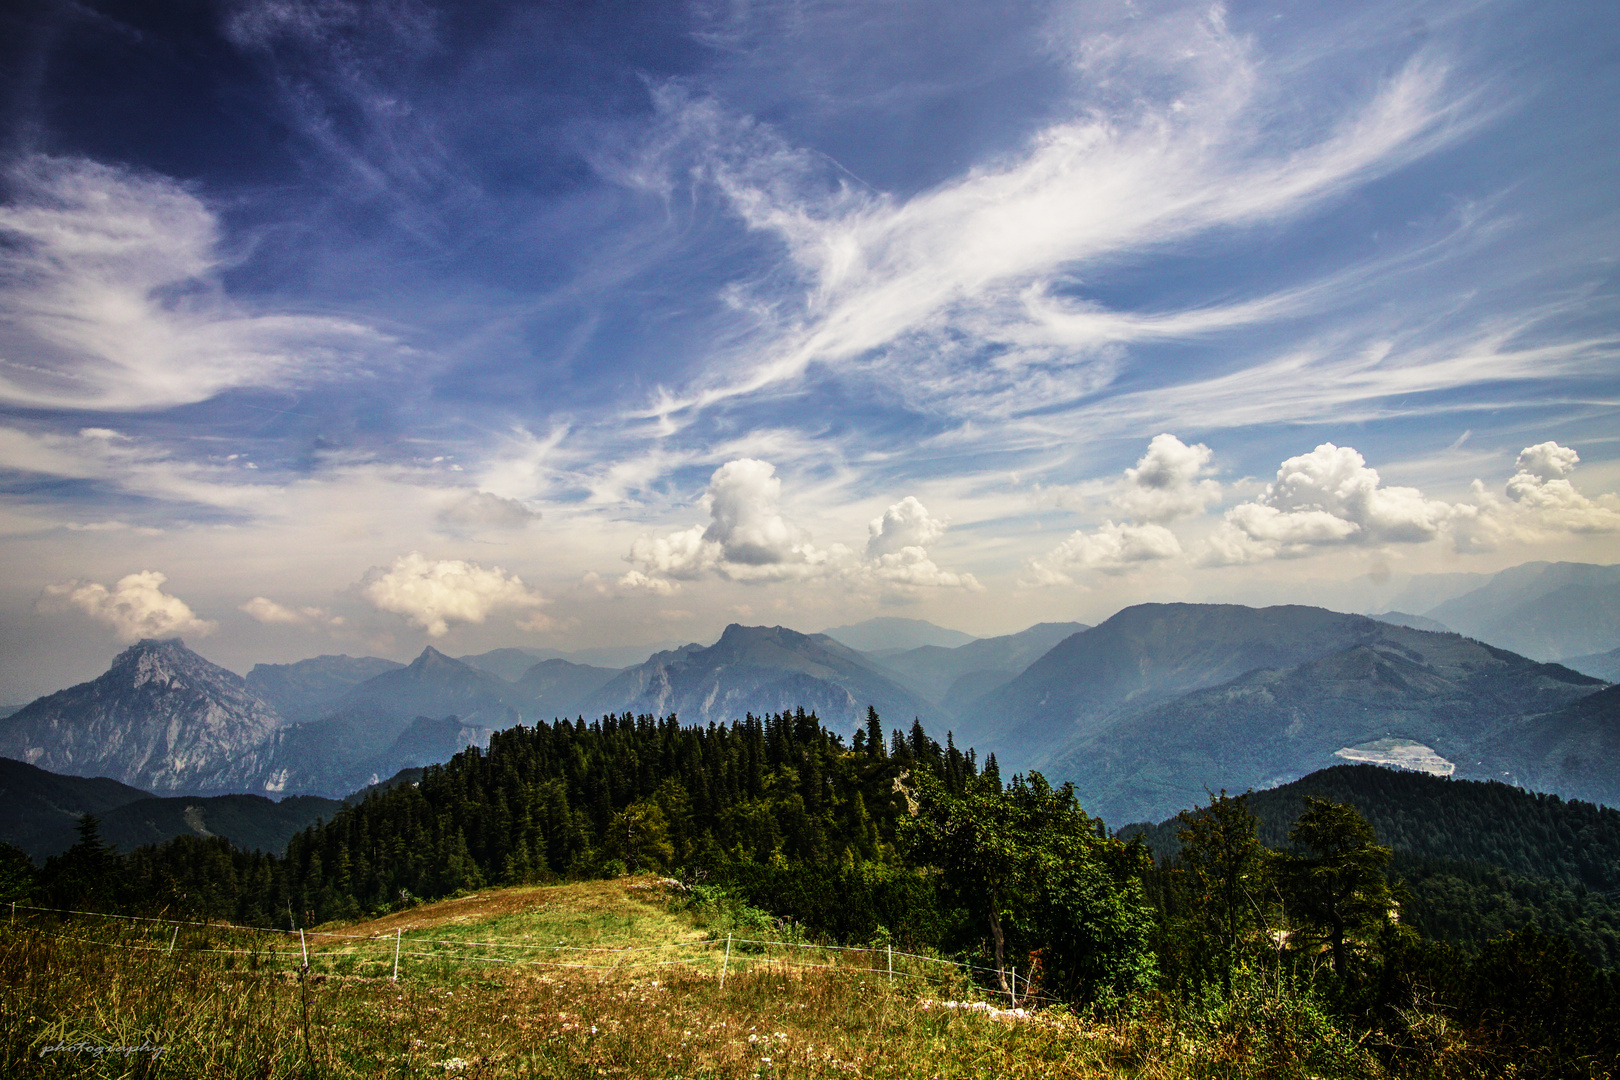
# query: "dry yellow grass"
253, 1014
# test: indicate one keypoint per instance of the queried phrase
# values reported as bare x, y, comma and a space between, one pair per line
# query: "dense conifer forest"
1476, 859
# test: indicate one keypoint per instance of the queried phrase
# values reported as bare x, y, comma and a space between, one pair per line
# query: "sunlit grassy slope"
250, 1013
582, 981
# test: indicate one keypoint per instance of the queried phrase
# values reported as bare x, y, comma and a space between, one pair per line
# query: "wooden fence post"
396, 954
726, 962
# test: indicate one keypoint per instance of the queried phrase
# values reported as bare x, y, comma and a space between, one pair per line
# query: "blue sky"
345, 327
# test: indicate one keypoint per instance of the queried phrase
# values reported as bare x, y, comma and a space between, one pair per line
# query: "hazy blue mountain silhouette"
1547, 611
761, 669
310, 689
888, 634
942, 674
1144, 654
1466, 700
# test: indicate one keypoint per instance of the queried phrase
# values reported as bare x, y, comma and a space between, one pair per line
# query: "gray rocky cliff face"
161, 718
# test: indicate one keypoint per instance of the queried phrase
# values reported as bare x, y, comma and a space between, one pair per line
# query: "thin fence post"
617, 960
396, 954
891, 964
1014, 986
302, 946
726, 962
173, 939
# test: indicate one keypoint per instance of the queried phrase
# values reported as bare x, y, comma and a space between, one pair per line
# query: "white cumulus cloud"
1112, 549
433, 593
1547, 461
897, 546
1327, 497
1168, 482
912, 566
1540, 501
748, 539
906, 524
135, 607
265, 610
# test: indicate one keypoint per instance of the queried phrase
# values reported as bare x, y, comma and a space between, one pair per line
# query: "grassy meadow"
246, 1009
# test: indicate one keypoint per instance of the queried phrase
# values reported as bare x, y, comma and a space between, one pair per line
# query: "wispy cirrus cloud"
960, 286
109, 286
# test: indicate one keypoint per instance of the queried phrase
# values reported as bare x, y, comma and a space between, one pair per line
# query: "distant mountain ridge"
418, 714
1478, 859
38, 808
1143, 654
1546, 611
161, 718
1573, 750
511, 663
1477, 706
954, 676
1416, 622
1480, 821
1605, 665
310, 689
557, 687
42, 810
888, 634
761, 669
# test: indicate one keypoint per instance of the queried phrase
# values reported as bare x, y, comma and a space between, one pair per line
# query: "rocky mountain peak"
166, 662
430, 658
161, 717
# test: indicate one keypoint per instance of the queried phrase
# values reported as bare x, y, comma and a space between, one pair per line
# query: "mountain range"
887, 635
511, 663
308, 689
1546, 611
1142, 712
1478, 711
1603, 665
1141, 655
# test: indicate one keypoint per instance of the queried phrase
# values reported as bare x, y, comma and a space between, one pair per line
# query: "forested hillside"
1479, 859
1431, 817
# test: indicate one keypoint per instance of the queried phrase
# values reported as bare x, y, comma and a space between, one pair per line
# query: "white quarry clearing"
1399, 754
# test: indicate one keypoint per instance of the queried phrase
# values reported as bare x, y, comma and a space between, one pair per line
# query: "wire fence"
404, 950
